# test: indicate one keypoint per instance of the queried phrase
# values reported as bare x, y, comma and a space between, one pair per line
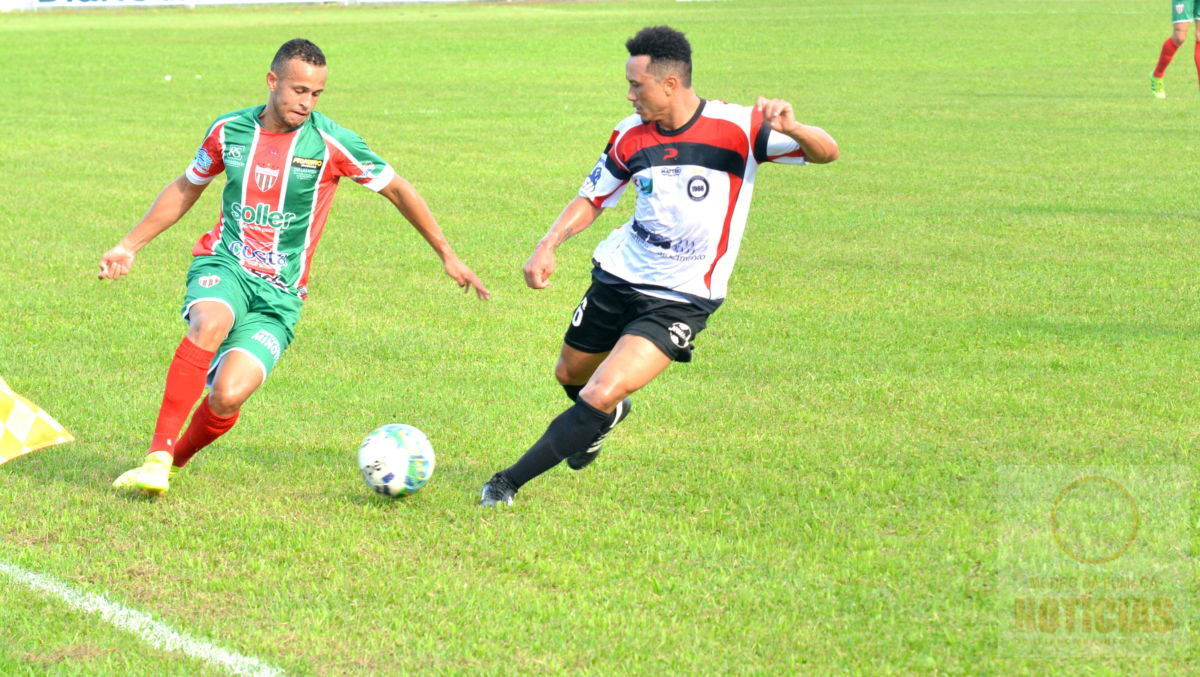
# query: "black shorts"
608, 312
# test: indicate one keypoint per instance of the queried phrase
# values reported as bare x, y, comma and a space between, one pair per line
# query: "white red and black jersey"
693, 194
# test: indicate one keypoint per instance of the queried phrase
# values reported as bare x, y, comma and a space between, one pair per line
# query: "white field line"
155, 633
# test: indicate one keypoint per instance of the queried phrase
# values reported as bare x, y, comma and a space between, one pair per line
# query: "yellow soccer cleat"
1157, 88
152, 477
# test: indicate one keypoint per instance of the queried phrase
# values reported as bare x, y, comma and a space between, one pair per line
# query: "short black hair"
667, 48
297, 48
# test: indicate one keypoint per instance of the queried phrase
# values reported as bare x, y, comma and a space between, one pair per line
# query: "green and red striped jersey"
278, 189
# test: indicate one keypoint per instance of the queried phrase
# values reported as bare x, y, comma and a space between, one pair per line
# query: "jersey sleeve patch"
209, 160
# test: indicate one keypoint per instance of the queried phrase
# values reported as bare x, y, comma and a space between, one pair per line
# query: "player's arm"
818, 146
578, 215
412, 206
171, 204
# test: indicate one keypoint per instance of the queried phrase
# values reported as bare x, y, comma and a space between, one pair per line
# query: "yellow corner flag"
24, 427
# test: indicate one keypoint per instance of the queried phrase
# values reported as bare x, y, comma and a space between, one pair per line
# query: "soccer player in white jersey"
249, 275
656, 279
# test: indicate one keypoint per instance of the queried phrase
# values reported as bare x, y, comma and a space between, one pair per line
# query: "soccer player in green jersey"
249, 275
1183, 12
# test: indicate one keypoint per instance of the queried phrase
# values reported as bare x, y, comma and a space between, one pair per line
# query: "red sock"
1164, 57
201, 432
185, 383
1196, 56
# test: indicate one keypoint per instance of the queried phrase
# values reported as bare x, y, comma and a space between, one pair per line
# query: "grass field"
1000, 270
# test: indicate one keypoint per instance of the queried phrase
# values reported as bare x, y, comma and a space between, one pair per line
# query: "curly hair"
297, 48
668, 50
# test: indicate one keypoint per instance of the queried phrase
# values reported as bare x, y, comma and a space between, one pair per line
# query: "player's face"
647, 93
295, 91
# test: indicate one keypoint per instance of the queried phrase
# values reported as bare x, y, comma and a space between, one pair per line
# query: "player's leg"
1182, 13
248, 356
575, 367
238, 376
595, 327
1196, 48
632, 364
209, 322
573, 370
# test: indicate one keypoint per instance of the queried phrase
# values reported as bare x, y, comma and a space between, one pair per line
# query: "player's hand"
466, 278
116, 263
777, 113
539, 268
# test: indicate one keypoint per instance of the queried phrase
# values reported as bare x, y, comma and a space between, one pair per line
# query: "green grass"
1000, 270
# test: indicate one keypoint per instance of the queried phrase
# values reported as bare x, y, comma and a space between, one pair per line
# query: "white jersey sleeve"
783, 149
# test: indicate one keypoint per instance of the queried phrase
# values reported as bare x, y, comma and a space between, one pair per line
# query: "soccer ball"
396, 459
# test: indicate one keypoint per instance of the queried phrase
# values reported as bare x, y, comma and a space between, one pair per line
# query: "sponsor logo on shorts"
203, 160
268, 341
247, 252
697, 188
645, 185
261, 215
265, 177
681, 334
209, 281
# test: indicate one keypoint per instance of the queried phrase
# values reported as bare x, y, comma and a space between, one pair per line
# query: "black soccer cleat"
580, 460
497, 490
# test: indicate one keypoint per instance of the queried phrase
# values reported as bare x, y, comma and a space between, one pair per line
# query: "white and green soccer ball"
396, 459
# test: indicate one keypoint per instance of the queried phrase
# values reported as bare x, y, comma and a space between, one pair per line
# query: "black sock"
573, 392
571, 432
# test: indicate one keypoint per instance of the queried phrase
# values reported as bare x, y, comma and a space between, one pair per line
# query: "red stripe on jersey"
263, 184
705, 130
735, 189
327, 184
796, 153
214, 144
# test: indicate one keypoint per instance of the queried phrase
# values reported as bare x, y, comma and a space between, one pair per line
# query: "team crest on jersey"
209, 281
265, 177
697, 188
645, 184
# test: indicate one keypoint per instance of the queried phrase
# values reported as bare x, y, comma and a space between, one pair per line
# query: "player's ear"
272, 80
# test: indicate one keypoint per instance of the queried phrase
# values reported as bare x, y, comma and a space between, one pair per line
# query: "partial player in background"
1183, 12
245, 287
657, 278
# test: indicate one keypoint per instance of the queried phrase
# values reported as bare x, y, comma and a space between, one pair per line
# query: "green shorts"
1183, 10
263, 315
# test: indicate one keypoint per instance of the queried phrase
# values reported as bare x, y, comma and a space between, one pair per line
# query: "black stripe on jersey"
699, 154
614, 168
760, 142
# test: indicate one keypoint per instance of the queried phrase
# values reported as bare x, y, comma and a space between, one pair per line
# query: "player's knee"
207, 332
1179, 36
562, 373
226, 402
604, 395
